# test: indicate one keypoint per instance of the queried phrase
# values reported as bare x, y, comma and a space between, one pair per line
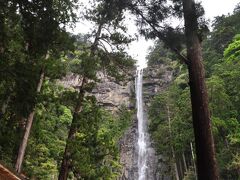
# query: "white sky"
139, 49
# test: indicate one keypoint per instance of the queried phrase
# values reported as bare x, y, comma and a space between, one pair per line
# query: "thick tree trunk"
66, 162
206, 162
23, 145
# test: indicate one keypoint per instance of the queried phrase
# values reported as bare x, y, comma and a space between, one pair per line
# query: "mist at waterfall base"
142, 139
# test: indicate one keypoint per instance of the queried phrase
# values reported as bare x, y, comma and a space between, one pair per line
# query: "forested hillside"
170, 110
67, 102
47, 128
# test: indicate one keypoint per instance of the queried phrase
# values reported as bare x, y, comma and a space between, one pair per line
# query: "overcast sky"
139, 49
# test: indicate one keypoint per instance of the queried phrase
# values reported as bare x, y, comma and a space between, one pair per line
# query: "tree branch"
182, 58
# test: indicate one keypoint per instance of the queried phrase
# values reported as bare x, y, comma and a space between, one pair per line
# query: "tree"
35, 50
222, 84
206, 162
153, 14
170, 127
225, 27
107, 15
49, 131
40, 45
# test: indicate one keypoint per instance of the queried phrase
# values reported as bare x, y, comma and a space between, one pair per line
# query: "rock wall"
109, 94
128, 153
156, 79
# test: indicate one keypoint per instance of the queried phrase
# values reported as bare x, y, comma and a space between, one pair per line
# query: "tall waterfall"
142, 131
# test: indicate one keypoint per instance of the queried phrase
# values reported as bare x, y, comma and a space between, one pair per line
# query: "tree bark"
206, 161
172, 149
23, 145
181, 170
175, 164
184, 162
193, 160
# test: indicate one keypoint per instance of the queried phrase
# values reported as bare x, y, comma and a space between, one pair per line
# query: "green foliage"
32, 30
119, 122
232, 52
224, 100
225, 28
107, 52
49, 133
174, 106
95, 148
170, 124
33, 39
222, 65
220, 104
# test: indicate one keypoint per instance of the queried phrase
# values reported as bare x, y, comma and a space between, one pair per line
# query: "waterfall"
142, 131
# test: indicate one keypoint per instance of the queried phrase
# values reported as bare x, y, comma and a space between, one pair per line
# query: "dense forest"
170, 110
43, 123
52, 131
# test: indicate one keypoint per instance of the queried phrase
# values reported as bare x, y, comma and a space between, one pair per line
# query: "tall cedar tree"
41, 22
66, 161
206, 161
153, 14
107, 15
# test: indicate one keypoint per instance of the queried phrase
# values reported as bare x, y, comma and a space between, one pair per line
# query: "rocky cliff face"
156, 79
109, 94
128, 153
112, 95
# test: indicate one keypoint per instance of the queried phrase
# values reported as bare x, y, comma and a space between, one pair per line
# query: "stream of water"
142, 132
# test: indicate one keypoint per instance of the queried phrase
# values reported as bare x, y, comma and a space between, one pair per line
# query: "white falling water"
142, 134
